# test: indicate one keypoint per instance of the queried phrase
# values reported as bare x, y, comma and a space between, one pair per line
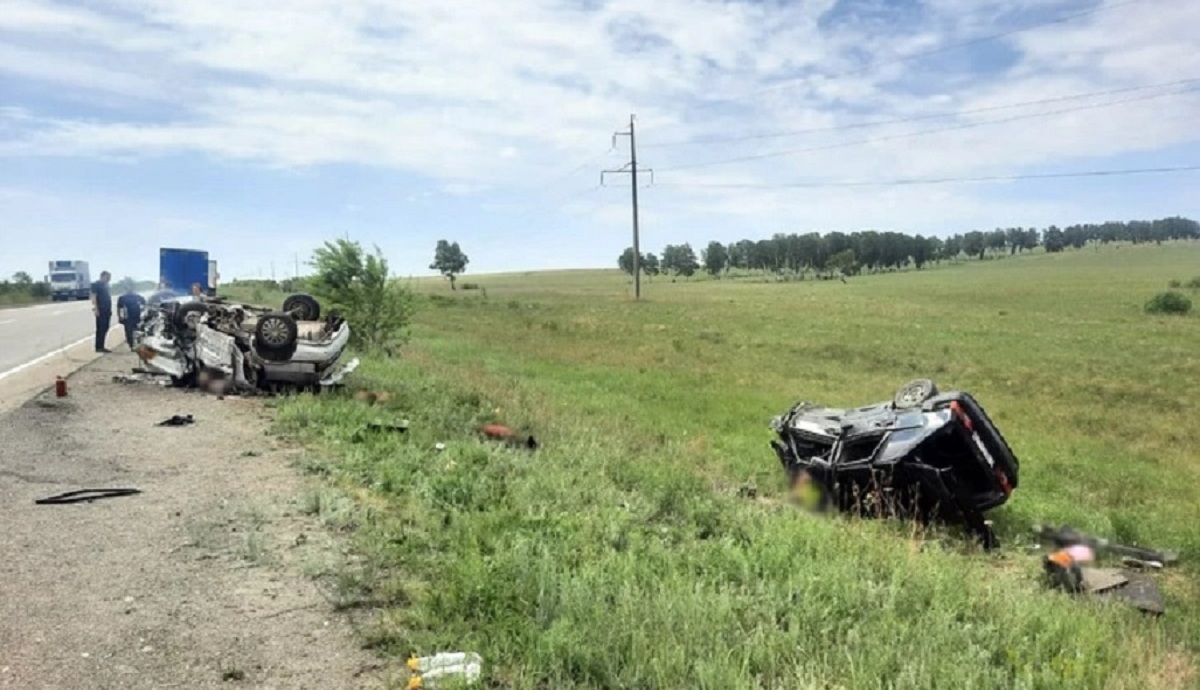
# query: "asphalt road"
28, 333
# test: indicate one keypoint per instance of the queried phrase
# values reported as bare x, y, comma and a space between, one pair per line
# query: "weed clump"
1175, 283
1170, 302
1194, 283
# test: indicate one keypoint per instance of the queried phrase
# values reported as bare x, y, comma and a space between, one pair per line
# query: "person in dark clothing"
129, 312
102, 307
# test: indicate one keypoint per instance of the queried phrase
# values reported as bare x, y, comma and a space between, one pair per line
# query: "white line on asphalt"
2, 323
38, 360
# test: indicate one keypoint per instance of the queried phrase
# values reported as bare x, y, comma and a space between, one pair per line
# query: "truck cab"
69, 280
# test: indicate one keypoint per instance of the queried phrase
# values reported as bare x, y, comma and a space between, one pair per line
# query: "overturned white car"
216, 344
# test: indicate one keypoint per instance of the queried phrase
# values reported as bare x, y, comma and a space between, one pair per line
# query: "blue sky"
259, 130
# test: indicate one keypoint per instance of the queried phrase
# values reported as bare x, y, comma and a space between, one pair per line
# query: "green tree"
716, 258
625, 261
1054, 240
449, 260
22, 279
841, 262
650, 264
920, 252
974, 243
358, 286
685, 263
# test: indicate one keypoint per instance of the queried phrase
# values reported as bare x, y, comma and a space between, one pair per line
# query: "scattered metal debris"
88, 495
931, 454
1065, 536
142, 377
177, 420
396, 428
1066, 567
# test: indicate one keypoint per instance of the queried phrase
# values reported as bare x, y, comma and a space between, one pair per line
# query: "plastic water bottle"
444, 666
425, 664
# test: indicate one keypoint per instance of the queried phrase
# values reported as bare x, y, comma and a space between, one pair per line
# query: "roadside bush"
1194, 283
1169, 302
22, 290
358, 286
1175, 283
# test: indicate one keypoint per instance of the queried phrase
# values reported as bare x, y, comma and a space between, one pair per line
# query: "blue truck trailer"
180, 269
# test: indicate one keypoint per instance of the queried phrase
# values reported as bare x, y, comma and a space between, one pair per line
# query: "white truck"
69, 280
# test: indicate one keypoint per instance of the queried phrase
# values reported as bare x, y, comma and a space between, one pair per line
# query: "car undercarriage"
924, 453
224, 346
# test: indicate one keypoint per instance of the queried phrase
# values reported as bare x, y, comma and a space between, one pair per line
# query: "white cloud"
489, 95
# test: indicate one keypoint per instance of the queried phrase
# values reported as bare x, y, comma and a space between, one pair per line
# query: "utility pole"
632, 169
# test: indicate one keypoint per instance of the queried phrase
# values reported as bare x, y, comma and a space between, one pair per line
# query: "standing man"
129, 312
102, 308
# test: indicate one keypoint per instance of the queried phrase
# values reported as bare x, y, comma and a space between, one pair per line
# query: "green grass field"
622, 553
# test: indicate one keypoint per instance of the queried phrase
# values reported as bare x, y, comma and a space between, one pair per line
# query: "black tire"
303, 307
275, 336
188, 315
914, 393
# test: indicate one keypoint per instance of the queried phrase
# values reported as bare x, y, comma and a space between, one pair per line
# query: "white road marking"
7, 322
38, 360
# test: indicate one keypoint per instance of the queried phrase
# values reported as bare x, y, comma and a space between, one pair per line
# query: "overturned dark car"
923, 453
224, 346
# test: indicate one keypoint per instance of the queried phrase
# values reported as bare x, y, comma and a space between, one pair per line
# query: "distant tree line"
22, 289
872, 251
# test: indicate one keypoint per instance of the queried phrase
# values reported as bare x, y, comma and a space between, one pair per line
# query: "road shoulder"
201, 580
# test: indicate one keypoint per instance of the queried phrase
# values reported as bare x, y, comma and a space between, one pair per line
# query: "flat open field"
621, 553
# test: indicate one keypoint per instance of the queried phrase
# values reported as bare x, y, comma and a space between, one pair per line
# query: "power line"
925, 53
923, 132
915, 118
932, 180
579, 168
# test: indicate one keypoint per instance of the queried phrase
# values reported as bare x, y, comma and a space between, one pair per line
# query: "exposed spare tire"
188, 314
302, 307
275, 336
914, 393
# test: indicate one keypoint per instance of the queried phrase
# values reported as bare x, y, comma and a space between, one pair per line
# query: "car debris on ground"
508, 436
177, 420
223, 347
924, 453
85, 495
1067, 567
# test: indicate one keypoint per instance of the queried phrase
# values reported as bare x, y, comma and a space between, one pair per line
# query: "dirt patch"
202, 580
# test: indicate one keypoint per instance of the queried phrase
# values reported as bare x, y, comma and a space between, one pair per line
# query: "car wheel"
914, 393
303, 307
188, 315
275, 336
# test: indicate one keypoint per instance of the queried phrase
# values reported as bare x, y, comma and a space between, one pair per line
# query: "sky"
259, 130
